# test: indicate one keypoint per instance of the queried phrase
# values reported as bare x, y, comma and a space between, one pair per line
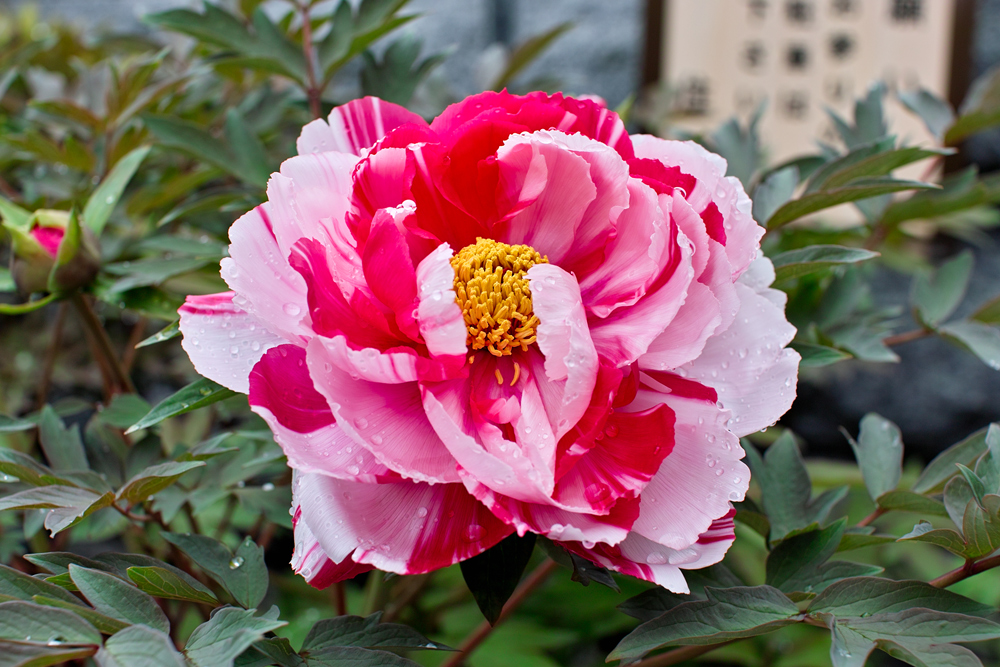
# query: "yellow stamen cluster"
493, 293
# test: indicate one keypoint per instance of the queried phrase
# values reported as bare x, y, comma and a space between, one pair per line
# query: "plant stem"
899, 339
971, 568
868, 520
50, 356
312, 90
134, 339
373, 592
527, 587
678, 655
120, 381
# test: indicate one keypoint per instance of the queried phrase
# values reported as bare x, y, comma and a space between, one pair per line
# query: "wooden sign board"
720, 58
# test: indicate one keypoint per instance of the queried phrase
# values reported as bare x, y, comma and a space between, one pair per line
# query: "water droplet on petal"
656, 558
474, 533
292, 309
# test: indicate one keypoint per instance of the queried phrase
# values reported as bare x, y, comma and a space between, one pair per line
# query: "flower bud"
54, 254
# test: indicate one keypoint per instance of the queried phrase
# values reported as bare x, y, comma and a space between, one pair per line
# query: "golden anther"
517, 373
496, 371
491, 289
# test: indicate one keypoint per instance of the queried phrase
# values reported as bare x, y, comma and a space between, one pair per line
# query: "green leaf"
45, 625
740, 148
853, 191
847, 647
13, 215
974, 481
124, 410
867, 162
980, 110
215, 26
139, 646
988, 313
209, 449
26, 469
58, 562
879, 451
493, 575
15, 424
151, 271
113, 597
190, 138
398, 75
365, 633
20, 654
104, 199
62, 446
247, 148
936, 113
907, 501
922, 654
6, 281
163, 583
23, 587
729, 613
347, 656
942, 537
105, 624
230, 631
775, 190
804, 261
937, 294
815, 356
68, 504
526, 52
925, 624
980, 339
981, 526
798, 563
652, 603
198, 394
875, 595
172, 330
942, 467
243, 574
154, 479
276, 649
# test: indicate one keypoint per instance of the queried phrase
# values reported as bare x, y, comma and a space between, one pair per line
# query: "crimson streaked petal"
355, 126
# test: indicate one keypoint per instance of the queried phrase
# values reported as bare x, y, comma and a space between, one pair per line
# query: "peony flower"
514, 318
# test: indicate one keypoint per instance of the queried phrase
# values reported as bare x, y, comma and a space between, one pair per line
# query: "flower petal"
748, 364
442, 325
282, 392
309, 559
354, 126
404, 527
223, 341
388, 419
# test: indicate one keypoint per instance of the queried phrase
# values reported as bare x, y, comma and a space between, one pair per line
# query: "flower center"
493, 293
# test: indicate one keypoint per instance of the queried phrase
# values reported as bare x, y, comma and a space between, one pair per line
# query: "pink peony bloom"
515, 318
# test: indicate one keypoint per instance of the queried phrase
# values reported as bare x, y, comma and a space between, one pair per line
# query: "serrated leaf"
45, 625
729, 613
937, 294
796, 263
104, 199
163, 583
879, 451
493, 575
980, 339
243, 574
873, 595
942, 537
23, 587
942, 467
62, 446
198, 394
853, 191
113, 597
140, 646
907, 501
154, 479
366, 633
229, 632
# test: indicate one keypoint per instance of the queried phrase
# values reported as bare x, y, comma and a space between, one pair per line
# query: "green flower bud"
53, 254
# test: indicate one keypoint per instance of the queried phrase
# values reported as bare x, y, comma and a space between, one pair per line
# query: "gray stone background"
937, 394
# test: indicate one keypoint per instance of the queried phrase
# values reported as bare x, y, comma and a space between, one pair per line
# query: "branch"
971, 568
868, 520
899, 339
527, 587
120, 381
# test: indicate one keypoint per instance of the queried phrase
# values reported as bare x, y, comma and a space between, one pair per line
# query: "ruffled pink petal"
645, 559
441, 322
309, 559
720, 200
625, 458
387, 419
558, 523
627, 333
699, 478
282, 392
382, 180
395, 365
685, 336
222, 340
308, 193
389, 270
354, 126
634, 259
550, 222
748, 364
265, 283
404, 527
564, 338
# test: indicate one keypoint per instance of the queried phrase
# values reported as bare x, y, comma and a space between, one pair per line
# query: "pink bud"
49, 238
